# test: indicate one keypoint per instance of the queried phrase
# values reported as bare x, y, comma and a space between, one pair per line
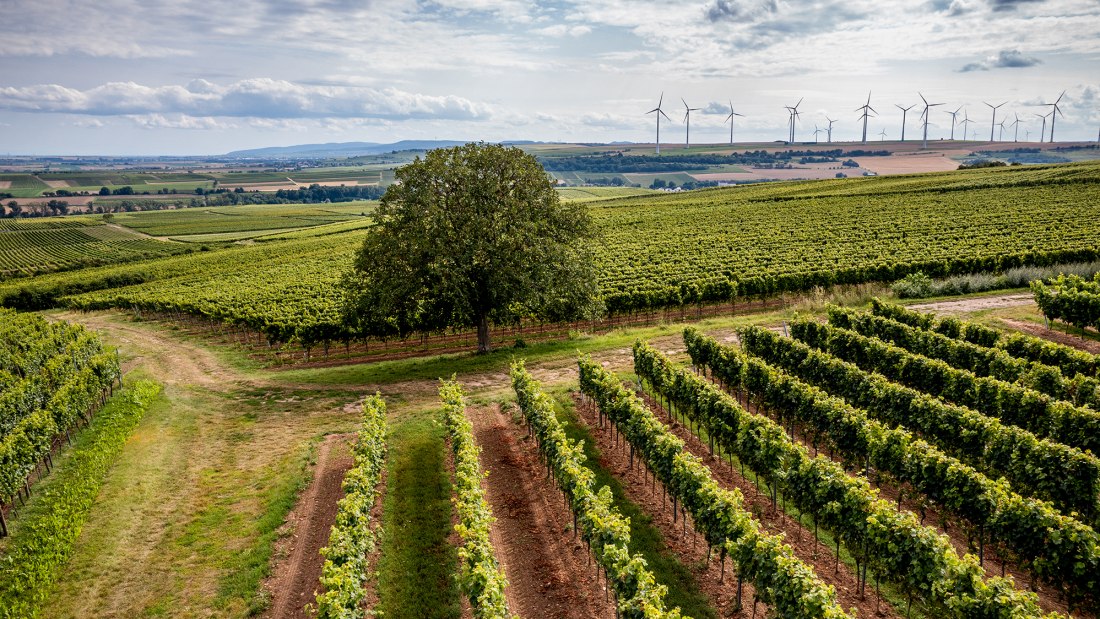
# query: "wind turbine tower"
730, 118
927, 106
687, 119
904, 111
953, 116
660, 113
817, 130
1016, 126
993, 124
794, 117
867, 109
829, 131
1055, 112
1044, 131
965, 121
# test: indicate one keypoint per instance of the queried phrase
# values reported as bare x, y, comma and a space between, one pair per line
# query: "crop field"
835, 462
589, 194
241, 219
662, 250
38, 249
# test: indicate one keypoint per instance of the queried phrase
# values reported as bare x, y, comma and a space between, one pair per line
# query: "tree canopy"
468, 235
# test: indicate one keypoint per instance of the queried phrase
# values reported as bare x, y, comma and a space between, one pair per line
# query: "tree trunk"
483, 333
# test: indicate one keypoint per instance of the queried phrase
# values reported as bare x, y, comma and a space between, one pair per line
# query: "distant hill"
341, 149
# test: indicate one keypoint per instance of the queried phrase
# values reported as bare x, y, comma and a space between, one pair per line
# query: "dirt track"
296, 578
549, 574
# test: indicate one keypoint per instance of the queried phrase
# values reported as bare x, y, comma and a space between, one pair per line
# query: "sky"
195, 77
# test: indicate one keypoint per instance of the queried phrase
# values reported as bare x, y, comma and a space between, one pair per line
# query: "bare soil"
1059, 337
693, 551
909, 163
297, 574
550, 574
977, 304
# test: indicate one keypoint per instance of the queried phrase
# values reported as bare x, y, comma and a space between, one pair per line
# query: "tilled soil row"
550, 574
297, 578
679, 536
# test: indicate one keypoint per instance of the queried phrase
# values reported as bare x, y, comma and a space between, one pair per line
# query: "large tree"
467, 236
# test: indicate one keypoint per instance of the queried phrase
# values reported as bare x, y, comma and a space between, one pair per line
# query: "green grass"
45, 534
418, 564
186, 523
683, 590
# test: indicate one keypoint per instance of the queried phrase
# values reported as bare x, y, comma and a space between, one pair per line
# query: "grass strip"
46, 535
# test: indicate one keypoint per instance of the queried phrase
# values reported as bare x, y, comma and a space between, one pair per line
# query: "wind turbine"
953, 115
882, 136
817, 130
830, 129
1027, 135
993, 125
660, 113
904, 111
687, 119
1016, 125
1054, 112
965, 121
927, 117
1001, 135
866, 108
794, 117
730, 118
1044, 132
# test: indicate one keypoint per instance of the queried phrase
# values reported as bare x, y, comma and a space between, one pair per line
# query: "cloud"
716, 107
740, 10
253, 98
1010, 5
1005, 59
951, 8
177, 121
561, 30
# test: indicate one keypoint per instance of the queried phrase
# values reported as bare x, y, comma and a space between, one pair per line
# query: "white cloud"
561, 30
178, 121
259, 98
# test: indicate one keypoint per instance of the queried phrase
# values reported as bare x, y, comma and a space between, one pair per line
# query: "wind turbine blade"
662, 113
661, 100
656, 109
922, 98
685, 102
1059, 99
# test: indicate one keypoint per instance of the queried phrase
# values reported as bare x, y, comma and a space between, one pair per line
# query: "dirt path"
966, 306
1060, 337
549, 573
295, 581
176, 362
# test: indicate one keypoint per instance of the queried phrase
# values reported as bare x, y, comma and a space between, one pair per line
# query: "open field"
219, 501
189, 520
40, 248
710, 246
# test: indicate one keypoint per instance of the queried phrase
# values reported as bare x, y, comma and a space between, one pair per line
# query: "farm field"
658, 250
182, 223
39, 246
230, 482
194, 504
